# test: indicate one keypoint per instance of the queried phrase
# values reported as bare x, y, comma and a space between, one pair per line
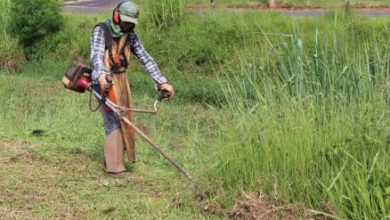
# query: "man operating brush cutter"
112, 42
111, 45
78, 78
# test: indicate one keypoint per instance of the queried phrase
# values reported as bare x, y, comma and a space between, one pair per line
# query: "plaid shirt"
97, 54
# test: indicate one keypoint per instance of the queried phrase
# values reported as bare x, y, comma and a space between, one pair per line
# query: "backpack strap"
125, 63
107, 38
108, 44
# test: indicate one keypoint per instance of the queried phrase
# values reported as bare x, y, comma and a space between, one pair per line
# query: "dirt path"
371, 12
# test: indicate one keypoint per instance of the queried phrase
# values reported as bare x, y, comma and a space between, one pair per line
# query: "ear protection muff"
115, 14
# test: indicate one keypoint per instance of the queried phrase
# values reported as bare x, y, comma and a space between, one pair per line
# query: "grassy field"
59, 175
294, 110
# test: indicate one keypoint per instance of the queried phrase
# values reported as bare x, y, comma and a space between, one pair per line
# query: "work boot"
116, 175
123, 174
113, 152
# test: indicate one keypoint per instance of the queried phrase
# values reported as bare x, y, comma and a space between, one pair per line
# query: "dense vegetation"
295, 108
33, 21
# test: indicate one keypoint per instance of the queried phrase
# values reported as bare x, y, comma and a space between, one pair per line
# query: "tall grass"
312, 125
162, 14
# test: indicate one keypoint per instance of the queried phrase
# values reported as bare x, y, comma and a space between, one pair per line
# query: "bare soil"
256, 206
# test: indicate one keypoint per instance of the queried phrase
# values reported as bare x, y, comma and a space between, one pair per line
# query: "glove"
104, 84
168, 89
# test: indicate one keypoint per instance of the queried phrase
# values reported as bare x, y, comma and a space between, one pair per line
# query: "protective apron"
120, 93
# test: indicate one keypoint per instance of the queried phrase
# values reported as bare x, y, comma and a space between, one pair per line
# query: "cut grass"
46, 182
60, 169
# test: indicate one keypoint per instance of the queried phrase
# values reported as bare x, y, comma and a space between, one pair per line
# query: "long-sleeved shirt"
97, 56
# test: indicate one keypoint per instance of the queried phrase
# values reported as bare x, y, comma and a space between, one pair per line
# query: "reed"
311, 127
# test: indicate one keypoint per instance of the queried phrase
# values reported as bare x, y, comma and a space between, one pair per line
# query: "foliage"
34, 20
72, 42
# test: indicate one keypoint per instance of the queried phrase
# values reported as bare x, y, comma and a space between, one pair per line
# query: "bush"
33, 20
72, 42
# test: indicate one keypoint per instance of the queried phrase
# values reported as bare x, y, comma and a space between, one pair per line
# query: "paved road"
95, 6
91, 6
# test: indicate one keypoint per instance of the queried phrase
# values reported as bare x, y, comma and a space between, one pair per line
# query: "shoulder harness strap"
122, 52
107, 38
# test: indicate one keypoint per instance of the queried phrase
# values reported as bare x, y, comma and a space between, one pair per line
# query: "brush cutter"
77, 79
121, 109
118, 110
